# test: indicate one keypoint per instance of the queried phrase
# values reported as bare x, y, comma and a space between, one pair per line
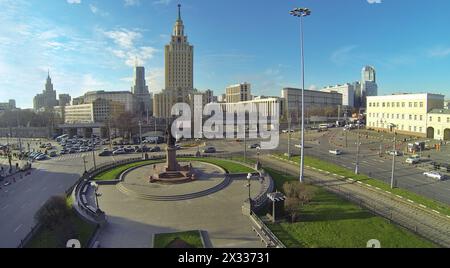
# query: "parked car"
411, 160
52, 154
209, 150
41, 157
105, 153
396, 153
155, 149
177, 146
119, 151
335, 152
254, 146
434, 175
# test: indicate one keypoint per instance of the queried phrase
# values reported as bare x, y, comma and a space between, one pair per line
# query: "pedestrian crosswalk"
68, 157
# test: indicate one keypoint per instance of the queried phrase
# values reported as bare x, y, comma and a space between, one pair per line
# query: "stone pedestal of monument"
173, 172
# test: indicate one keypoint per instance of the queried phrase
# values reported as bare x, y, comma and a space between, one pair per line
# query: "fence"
265, 231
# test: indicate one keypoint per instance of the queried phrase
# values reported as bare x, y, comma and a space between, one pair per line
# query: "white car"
412, 160
119, 151
335, 152
434, 175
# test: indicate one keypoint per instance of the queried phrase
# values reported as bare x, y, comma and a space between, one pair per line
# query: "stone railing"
266, 235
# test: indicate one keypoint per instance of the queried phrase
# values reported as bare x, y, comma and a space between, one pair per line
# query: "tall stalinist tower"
179, 72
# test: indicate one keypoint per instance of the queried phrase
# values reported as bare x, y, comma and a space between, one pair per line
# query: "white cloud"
343, 55
374, 1
439, 52
127, 49
74, 1
97, 11
162, 2
123, 37
132, 3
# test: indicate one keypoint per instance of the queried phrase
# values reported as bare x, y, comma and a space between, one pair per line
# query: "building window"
410, 117
439, 132
431, 119
415, 129
421, 104
388, 104
415, 117
398, 104
410, 105
448, 119
384, 104
415, 104
403, 116
387, 116
420, 129
403, 104
439, 119
421, 118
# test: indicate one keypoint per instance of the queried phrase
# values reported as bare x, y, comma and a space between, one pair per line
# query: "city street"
20, 200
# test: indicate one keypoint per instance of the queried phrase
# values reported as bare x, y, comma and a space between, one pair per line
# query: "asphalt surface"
20, 200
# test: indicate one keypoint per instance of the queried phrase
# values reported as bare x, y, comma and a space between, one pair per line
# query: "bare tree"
298, 194
54, 212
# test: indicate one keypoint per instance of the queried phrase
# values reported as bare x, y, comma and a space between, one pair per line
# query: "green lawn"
191, 237
112, 174
229, 166
331, 222
73, 228
333, 168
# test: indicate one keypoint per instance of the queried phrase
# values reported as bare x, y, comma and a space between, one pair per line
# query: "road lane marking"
409, 200
18, 227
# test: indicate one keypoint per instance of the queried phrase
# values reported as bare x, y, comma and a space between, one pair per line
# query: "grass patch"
191, 237
333, 168
332, 222
73, 227
112, 174
229, 166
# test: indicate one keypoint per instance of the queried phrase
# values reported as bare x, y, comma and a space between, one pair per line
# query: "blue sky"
92, 44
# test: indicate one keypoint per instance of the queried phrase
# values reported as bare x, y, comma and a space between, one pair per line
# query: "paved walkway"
132, 222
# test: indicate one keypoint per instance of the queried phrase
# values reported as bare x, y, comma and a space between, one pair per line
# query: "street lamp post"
84, 163
393, 156
358, 143
289, 137
302, 12
140, 139
249, 184
93, 150
245, 144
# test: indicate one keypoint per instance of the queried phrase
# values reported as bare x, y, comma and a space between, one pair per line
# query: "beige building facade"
179, 72
413, 114
238, 93
99, 111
